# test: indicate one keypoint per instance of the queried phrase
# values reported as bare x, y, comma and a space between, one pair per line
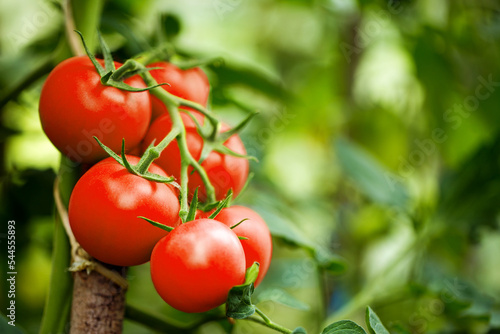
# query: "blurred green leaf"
371, 177
284, 230
373, 322
470, 195
299, 330
343, 327
5, 328
282, 297
239, 301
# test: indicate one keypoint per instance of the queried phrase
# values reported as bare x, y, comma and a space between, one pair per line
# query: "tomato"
224, 171
195, 265
75, 106
104, 207
258, 247
191, 84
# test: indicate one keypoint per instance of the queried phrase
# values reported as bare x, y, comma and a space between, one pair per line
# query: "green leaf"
282, 297
5, 328
284, 230
299, 330
238, 223
239, 300
343, 327
371, 177
373, 322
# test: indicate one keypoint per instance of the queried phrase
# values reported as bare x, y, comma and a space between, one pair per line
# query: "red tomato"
194, 266
224, 171
191, 84
258, 247
75, 106
103, 211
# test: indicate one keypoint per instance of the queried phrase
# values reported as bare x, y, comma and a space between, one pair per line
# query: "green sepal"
238, 223
109, 64
373, 322
242, 238
159, 179
226, 134
159, 225
343, 327
140, 71
92, 58
110, 152
122, 160
222, 204
239, 300
299, 330
227, 151
214, 141
127, 164
107, 80
192, 208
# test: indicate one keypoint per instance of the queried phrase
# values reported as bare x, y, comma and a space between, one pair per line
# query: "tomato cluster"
193, 266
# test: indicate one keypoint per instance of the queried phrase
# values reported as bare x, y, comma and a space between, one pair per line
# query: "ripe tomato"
195, 265
258, 247
224, 171
191, 84
103, 211
75, 106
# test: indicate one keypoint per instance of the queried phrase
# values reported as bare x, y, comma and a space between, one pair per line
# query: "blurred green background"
378, 140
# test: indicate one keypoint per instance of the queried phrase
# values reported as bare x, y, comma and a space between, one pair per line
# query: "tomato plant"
194, 266
224, 171
190, 84
104, 209
258, 246
75, 106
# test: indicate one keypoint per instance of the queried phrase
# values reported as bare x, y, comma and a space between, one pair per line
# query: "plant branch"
70, 27
265, 321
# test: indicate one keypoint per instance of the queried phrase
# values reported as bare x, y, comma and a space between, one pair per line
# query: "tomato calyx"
214, 139
140, 169
110, 76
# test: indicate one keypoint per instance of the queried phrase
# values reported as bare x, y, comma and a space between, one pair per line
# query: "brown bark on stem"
98, 303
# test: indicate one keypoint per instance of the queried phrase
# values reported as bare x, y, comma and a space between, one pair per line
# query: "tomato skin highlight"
191, 84
259, 246
104, 207
75, 106
195, 265
224, 171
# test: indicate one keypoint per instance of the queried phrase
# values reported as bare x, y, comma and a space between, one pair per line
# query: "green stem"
162, 52
57, 305
87, 14
153, 321
164, 324
268, 322
154, 152
172, 102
